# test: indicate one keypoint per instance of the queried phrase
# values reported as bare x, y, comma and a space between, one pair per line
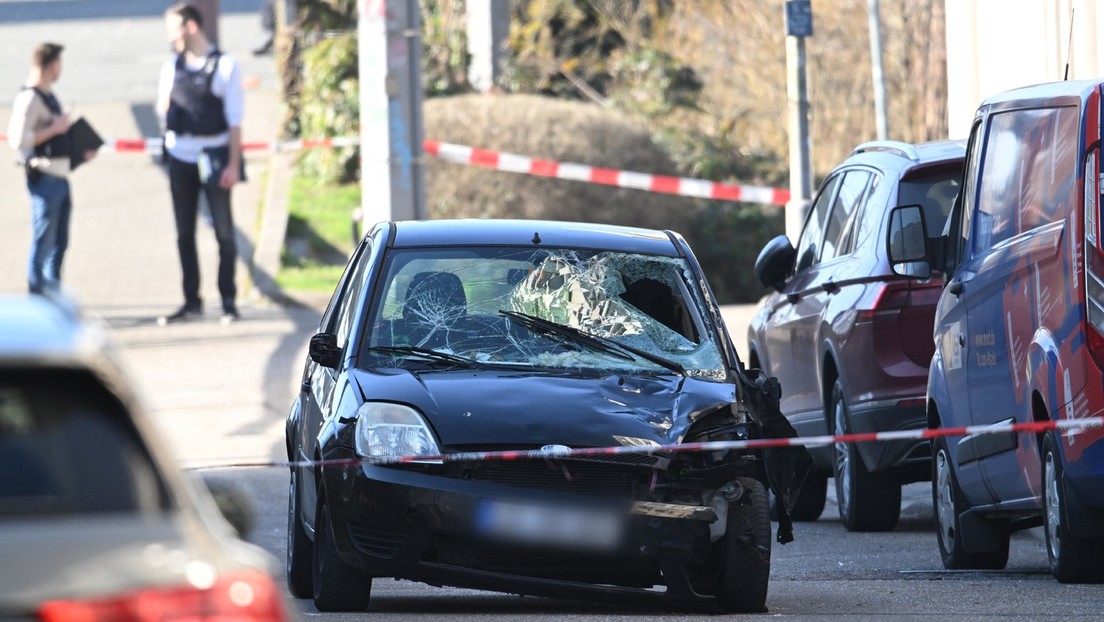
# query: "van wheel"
949, 504
867, 501
337, 585
1072, 559
745, 572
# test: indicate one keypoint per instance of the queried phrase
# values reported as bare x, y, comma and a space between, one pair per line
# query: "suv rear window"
68, 447
935, 192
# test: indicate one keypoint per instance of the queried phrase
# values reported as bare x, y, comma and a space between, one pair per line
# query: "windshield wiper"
604, 344
427, 354
546, 327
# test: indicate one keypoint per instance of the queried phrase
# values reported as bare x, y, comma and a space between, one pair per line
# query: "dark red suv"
849, 340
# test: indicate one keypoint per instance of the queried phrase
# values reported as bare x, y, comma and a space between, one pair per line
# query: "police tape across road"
510, 162
557, 451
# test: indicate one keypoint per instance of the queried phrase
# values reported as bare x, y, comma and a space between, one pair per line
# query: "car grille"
374, 540
570, 476
648, 460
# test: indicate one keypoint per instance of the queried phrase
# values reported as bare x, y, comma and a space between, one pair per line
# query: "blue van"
1019, 331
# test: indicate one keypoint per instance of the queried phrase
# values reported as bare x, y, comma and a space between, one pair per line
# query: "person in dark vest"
200, 100
38, 131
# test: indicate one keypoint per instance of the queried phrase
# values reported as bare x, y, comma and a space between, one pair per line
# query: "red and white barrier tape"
763, 443
511, 162
682, 186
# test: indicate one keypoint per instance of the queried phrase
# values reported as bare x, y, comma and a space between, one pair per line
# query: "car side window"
1024, 165
353, 293
808, 244
967, 198
837, 226
327, 323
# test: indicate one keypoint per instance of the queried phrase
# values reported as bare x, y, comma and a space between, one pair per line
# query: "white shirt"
226, 84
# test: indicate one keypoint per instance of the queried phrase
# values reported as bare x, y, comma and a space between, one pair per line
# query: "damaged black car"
467, 337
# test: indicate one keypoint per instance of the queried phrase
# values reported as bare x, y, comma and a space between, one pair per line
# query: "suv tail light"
240, 597
903, 320
899, 295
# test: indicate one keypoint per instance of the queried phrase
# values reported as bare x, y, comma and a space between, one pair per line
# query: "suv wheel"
299, 559
745, 573
1072, 559
810, 500
337, 585
867, 501
949, 504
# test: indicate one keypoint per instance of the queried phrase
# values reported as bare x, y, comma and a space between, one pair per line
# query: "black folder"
82, 138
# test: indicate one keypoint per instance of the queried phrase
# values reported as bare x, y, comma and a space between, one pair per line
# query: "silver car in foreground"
96, 521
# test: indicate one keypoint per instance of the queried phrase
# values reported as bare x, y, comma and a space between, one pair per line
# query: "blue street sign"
799, 18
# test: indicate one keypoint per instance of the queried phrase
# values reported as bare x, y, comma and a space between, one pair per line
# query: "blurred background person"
39, 132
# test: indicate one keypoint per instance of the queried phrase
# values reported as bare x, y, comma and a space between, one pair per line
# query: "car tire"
745, 574
337, 585
949, 504
299, 558
867, 501
1072, 559
810, 501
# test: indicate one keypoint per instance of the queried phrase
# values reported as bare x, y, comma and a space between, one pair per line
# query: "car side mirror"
775, 262
324, 350
907, 243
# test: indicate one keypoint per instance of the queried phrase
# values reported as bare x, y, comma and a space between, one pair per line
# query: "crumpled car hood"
517, 408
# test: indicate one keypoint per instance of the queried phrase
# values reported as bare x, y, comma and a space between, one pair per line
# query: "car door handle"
956, 287
829, 286
793, 298
305, 387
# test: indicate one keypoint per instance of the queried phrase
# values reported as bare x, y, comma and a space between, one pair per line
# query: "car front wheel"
337, 585
299, 555
743, 580
1072, 559
949, 504
867, 501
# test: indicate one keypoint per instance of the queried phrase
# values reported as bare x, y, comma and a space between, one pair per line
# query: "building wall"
996, 45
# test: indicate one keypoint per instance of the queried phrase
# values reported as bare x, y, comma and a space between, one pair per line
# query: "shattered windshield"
542, 308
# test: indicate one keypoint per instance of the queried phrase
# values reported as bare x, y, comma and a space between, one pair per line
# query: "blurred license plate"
542, 524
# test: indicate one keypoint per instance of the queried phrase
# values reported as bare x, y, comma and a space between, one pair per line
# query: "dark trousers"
185, 185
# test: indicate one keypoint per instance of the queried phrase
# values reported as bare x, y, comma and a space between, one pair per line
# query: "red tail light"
898, 295
249, 596
1096, 345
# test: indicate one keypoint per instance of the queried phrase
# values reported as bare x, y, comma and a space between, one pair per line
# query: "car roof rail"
904, 149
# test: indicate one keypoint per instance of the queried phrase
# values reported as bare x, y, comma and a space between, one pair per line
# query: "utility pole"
882, 119
799, 24
209, 9
391, 129
488, 27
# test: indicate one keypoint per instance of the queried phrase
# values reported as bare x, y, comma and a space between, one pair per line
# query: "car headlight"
391, 430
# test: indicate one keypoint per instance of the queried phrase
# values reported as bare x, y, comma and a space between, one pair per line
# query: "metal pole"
799, 25
488, 27
391, 129
880, 116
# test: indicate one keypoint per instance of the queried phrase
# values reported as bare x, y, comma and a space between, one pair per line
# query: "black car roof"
493, 232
